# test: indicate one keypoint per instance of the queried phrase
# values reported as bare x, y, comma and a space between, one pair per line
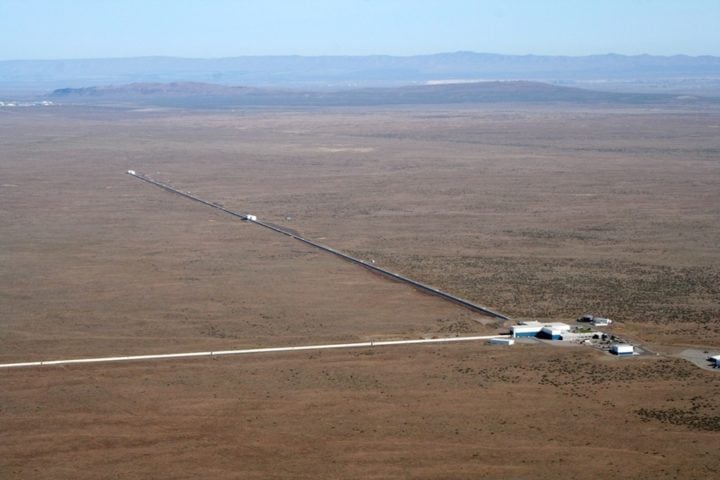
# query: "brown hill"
194, 94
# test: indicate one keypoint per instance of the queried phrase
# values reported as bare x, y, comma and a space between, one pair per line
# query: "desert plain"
541, 212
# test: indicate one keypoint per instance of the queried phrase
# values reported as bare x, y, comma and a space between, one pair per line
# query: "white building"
601, 322
552, 331
622, 349
526, 329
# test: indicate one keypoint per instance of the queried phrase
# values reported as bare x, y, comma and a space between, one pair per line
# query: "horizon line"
456, 52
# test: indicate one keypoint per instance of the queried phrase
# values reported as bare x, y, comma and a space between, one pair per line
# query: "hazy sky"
35, 29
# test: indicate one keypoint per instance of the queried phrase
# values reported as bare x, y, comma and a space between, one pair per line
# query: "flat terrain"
462, 411
542, 213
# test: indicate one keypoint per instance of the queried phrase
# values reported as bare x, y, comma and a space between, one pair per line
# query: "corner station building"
552, 331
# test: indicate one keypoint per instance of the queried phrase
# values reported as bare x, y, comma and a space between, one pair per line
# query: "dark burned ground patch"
696, 413
690, 418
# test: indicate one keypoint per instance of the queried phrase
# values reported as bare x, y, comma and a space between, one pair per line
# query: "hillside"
361, 71
191, 94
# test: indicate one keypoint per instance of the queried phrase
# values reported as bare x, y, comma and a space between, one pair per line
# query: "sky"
59, 29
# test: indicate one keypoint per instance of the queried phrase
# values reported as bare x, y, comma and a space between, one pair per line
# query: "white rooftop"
534, 323
556, 325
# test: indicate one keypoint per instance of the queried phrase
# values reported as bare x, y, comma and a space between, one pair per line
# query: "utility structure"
371, 266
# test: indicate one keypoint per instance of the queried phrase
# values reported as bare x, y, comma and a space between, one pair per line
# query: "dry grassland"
538, 213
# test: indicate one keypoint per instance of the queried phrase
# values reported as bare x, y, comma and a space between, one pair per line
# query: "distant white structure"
501, 341
131, 172
252, 218
622, 349
601, 322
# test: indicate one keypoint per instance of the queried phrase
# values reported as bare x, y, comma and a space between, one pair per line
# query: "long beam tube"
251, 218
222, 353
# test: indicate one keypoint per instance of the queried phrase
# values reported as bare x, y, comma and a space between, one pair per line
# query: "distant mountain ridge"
174, 88
203, 95
372, 70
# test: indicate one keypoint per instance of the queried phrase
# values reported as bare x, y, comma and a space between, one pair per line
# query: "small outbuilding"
716, 359
621, 349
601, 322
501, 341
